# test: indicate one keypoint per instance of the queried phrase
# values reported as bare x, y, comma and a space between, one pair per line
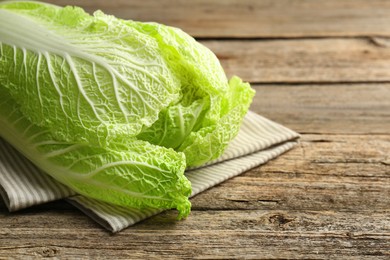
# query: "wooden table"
321, 68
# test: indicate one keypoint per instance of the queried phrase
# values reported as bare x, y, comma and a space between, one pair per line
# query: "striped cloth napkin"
23, 185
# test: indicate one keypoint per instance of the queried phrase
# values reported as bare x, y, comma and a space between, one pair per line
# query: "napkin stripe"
18, 163
256, 133
113, 218
23, 184
222, 171
23, 200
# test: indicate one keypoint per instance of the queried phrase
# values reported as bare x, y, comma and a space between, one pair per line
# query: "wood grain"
305, 60
254, 234
326, 108
254, 19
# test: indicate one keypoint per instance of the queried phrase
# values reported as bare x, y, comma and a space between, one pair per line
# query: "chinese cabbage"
114, 109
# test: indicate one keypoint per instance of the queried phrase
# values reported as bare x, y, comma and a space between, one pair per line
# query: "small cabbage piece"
114, 109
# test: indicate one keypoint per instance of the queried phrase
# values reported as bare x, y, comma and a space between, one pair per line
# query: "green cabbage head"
115, 109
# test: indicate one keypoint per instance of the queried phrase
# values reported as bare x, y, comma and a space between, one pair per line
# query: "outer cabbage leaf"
200, 72
136, 175
208, 143
94, 75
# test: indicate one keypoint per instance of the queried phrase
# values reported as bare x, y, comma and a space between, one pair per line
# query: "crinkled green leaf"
209, 142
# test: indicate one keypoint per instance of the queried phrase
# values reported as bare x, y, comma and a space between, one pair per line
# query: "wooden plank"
367, 221
305, 60
326, 108
254, 19
326, 172
206, 234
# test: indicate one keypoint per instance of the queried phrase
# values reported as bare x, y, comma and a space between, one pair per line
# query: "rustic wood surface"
326, 74
305, 60
255, 18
